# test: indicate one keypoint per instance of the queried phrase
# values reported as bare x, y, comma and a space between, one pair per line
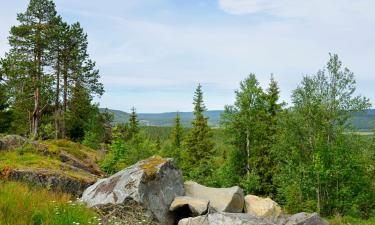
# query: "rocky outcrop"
221, 199
73, 161
10, 142
52, 181
262, 207
306, 219
189, 206
225, 219
153, 182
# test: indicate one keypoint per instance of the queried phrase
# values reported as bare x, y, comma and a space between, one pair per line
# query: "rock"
153, 182
262, 207
221, 199
306, 219
225, 219
73, 161
10, 142
44, 178
189, 205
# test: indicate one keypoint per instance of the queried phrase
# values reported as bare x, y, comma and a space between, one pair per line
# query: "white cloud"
239, 7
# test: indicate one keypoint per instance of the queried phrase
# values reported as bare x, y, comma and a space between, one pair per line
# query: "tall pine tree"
198, 146
30, 42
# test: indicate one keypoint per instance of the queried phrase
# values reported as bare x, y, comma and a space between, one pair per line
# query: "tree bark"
57, 102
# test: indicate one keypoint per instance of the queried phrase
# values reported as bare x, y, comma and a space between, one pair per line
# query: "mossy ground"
21, 204
29, 157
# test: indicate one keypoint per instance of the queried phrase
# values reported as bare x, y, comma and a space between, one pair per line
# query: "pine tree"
5, 115
177, 132
30, 40
174, 145
198, 146
133, 127
80, 112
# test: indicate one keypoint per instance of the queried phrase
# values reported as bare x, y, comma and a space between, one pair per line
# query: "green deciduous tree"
322, 167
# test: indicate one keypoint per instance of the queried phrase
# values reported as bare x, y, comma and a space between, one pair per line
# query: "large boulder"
10, 142
153, 182
189, 206
306, 219
262, 207
221, 199
225, 219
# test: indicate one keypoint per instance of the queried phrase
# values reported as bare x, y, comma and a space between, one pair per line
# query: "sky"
153, 53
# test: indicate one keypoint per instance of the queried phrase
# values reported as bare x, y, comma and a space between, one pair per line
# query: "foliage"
198, 146
251, 126
129, 145
20, 204
322, 168
46, 65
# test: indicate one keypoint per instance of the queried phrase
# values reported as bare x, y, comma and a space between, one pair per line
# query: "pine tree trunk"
57, 102
65, 99
35, 116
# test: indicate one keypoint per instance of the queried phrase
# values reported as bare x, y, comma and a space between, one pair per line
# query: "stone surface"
196, 206
306, 219
10, 142
53, 181
153, 182
225, 219
221, 199
73, 161
262, 207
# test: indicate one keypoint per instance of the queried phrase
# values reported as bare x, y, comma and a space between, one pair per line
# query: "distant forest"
362, 121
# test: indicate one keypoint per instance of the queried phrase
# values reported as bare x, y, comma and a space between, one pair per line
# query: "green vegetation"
307, 156
44, 157
49, 78
20, 204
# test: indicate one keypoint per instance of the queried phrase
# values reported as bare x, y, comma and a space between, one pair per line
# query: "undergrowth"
21, 204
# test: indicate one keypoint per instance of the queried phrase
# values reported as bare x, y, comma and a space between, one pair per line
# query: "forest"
306, 155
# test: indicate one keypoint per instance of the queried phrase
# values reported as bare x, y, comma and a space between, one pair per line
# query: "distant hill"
165, 119
362, 121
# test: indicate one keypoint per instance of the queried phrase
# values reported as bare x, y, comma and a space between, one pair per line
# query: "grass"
21, 205
77, 150
346, 220
28, 157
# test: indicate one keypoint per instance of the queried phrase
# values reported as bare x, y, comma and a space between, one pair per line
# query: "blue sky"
153, 53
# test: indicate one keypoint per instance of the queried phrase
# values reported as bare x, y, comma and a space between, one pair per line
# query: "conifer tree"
177, 132
198, 146
29, 43
5, 115
133, 127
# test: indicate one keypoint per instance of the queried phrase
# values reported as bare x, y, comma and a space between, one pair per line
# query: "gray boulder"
306, 219
221, 199
153, 182
225, 219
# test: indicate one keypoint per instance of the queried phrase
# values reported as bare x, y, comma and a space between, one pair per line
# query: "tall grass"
24, 205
